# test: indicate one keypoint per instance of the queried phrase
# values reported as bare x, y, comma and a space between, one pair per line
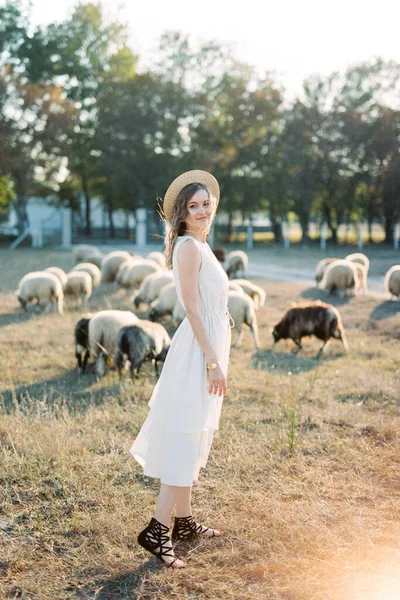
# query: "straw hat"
185, 179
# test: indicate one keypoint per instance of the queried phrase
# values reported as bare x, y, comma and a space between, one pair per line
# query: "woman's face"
199, 211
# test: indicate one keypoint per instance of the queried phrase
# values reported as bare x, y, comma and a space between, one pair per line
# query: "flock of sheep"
347, 276
124, 337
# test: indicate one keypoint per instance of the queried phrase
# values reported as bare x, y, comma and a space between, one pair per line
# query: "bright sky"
294, 38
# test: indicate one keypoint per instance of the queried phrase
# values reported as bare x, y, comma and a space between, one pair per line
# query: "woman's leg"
155, 536
185, 526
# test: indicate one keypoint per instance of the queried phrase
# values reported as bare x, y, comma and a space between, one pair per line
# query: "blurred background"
294, 107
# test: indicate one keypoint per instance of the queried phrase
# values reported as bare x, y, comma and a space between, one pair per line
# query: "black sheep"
137, 346
82, 342
318, 318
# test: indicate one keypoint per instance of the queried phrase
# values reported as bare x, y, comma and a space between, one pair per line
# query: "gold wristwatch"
211, 366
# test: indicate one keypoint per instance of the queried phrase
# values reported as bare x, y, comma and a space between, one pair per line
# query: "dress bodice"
213, 281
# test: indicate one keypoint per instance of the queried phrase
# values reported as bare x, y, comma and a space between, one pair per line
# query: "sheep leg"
239, 336
299, 346
100, 365
254, 331
85, 360
326, 342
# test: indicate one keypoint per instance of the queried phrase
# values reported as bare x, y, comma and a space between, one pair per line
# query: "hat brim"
195, 176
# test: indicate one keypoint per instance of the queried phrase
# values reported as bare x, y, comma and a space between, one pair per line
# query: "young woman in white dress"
175, 440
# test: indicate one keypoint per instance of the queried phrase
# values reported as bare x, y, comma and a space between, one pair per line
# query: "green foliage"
70, 94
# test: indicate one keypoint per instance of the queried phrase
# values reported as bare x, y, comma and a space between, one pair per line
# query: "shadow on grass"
19, 316
70, 390
285, 362
317, 294
124, 586
387, 309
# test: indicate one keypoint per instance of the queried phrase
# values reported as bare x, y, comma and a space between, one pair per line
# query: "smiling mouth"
202, 218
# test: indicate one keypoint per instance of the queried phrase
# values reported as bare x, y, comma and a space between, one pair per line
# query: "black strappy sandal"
154, 539
186, 529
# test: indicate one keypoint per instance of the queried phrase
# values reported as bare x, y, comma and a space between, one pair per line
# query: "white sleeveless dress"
175, 439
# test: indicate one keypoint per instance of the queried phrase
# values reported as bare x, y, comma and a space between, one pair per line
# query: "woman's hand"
217, 381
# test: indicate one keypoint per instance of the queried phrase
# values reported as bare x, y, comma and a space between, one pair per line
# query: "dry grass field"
303, 478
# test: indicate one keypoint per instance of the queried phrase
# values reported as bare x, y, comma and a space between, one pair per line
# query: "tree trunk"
88, 228
22, 214
389, 237
230, 226
277, 231
110, 212
304, 224
369, 222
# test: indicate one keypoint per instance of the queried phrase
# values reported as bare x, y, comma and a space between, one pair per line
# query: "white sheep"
124, 268
392, 281
341, 276
165, 303
178, 313
158, 257
103, 330
362, 275
111, 263
82, 252
321, 267
137, 272
78, 286
242, 310
151, 287
255, 292
42, 286
360, 258
235, 287
92, 270
236, 262
58, 273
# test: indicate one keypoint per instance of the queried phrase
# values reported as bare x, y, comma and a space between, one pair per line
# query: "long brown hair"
180, 212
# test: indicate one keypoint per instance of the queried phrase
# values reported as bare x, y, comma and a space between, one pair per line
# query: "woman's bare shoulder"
188, 252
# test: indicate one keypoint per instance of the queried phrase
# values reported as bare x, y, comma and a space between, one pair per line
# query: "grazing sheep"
151, 287
103, 330
255, 292
58, 273
111, 263
242, 310
178, 313
236, 262
341, 276
392, 281
78, 286
141, 342
317, 318
42, 286
362, 275
124, 268
165, 303
220, 254
158, 257
87, 253
92, 270
81, 334
321, 267
235, 287
360, 258
136, 274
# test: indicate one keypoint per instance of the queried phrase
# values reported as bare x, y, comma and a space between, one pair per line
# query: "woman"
175, 440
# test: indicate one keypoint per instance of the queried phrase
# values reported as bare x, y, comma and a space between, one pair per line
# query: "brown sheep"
317, 318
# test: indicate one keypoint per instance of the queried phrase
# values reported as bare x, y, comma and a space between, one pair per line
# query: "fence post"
286, 234
360, 236
66, 223
141, 227
250, 235
396, 234
37, 233
324, 229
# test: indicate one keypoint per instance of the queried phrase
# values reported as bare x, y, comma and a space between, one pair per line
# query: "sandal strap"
186, 528
155, 539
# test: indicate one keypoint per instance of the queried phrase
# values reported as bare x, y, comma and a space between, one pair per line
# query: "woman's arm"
189, 263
